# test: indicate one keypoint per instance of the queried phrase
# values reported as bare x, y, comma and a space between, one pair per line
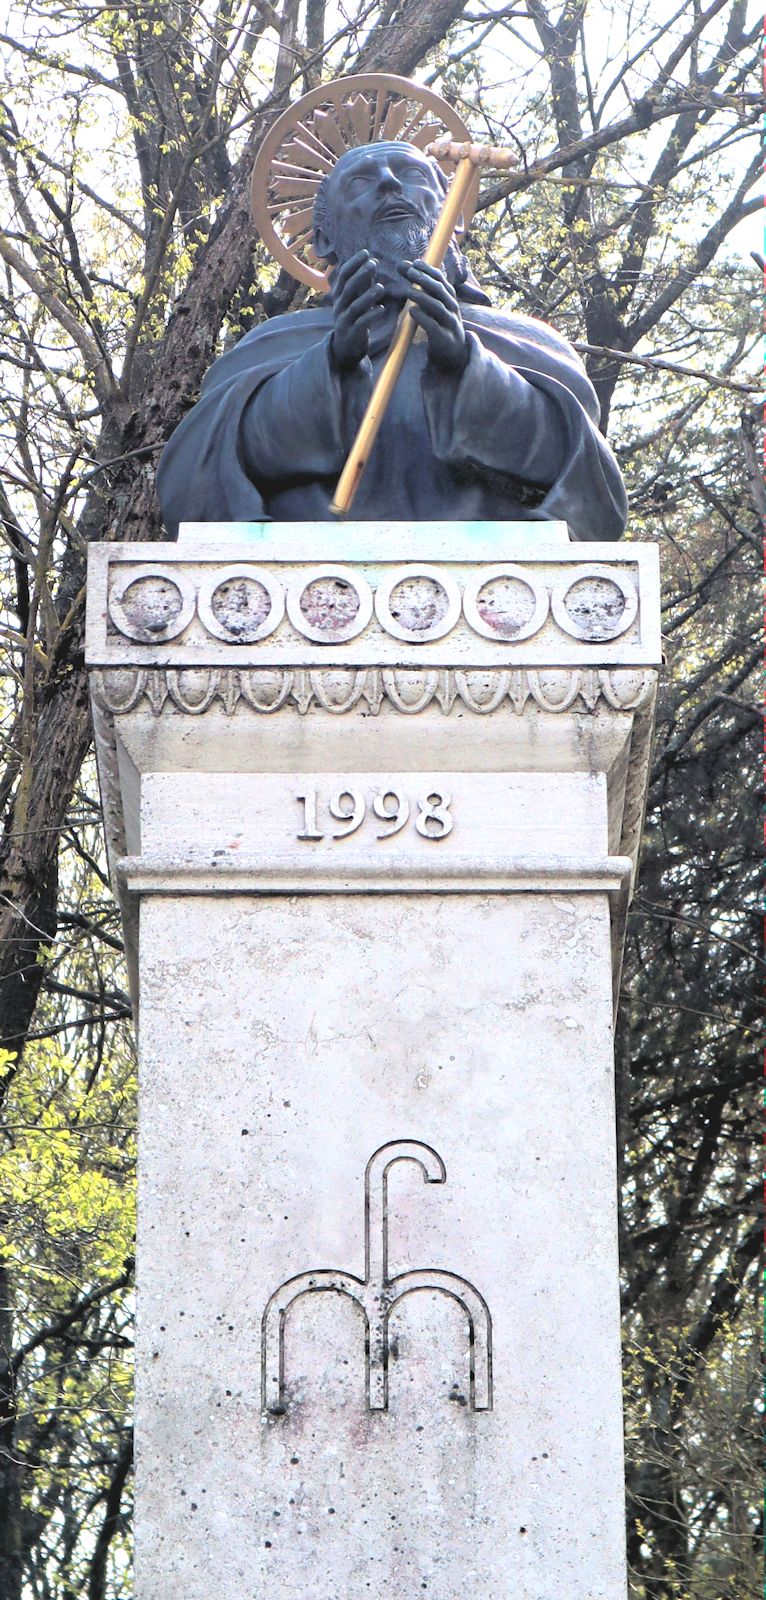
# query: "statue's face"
382, 197
383, 184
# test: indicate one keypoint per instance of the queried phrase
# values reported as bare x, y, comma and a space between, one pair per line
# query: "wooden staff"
468, 158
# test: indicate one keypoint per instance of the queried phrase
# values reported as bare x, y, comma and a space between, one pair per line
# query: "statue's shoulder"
533, 346
269, 346
528, 330
291, 323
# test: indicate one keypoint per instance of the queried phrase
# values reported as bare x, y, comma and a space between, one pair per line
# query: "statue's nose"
388, 183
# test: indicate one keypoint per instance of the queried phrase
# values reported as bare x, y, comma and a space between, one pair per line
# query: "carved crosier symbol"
378, 1294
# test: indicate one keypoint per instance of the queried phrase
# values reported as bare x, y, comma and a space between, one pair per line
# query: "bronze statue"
493, 416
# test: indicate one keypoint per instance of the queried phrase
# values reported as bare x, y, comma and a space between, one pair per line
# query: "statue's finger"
364, 272
432, 283
425, 296
358, 282
365, 302
443, 316
430, 271
426, 320
345, 290
341, 274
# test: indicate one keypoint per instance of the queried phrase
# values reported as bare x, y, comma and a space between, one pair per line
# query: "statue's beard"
391, 243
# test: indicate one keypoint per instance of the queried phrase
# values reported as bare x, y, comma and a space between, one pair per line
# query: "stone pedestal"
373, 798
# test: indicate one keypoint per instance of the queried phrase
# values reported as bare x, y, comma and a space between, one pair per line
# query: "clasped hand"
359, 301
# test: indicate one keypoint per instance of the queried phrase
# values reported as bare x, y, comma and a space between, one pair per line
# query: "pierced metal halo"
307, 140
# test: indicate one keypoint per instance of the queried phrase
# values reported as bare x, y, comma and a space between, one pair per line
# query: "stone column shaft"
374, 825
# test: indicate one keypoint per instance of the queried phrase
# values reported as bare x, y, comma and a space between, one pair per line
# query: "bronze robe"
513, 437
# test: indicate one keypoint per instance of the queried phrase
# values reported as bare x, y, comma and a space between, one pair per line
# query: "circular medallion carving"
505, 603
417, 604
329, 605
594, 603
151, 604
240, 604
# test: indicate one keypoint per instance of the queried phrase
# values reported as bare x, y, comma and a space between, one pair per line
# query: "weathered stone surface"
549, 604
381, 908
282, 1045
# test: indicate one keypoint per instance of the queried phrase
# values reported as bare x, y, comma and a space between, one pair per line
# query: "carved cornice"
196, 690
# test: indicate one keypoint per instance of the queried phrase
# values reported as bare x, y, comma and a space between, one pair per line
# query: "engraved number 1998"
348, 810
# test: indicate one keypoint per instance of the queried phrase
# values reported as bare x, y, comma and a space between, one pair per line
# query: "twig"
657, 363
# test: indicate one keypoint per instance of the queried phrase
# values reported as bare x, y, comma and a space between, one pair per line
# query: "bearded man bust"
493, 416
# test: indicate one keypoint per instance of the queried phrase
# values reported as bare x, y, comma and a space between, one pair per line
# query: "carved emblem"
333, 604
378, 1293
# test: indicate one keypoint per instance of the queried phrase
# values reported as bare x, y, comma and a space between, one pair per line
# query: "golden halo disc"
310, 136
